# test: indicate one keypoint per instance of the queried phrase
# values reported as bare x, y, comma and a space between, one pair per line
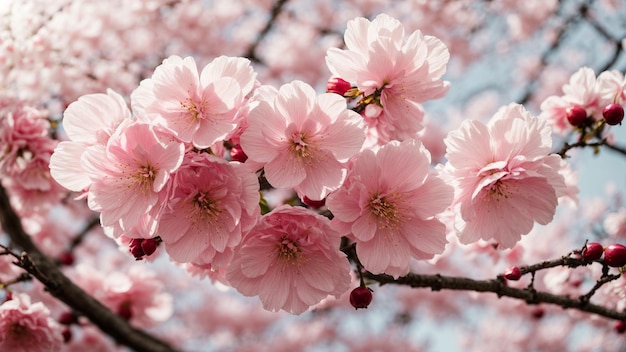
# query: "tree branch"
276, 10
531, 296
44, 269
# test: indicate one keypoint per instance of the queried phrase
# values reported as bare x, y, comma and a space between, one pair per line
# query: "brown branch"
44, 269
277, 9
531, 296
583, 144
560, 35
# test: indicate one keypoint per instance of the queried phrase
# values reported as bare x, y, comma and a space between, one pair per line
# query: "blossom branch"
44, 269
583, 144
531, 296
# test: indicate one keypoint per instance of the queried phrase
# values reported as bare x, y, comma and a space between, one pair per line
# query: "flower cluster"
189, 164
393, 74
27, 326
587, 99
504, 177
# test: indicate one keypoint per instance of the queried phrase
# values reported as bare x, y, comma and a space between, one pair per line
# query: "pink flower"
611, 87
291, 260
28, 327
581, 91
389, 204
212, 202
199, 108
128, 174
504, 176
399, 72
91, 120
303, 139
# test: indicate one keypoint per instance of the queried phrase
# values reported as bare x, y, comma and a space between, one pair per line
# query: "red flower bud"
513, 273
237, 154
149, 246
66, 258
67, 318
592, 251
615, 255
315, 204
338, 86
123, 310
619, 327
361, 297
613, 114
576, 115
135, 248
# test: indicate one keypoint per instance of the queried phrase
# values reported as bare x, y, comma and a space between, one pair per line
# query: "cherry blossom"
398, 71
581, 91
389, 203
291, 260
89, 121
128, 174
212, 203
303, 139
26, 326
198, 108
504, 178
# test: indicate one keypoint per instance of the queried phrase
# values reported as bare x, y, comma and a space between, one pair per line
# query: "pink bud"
67, 318
337, 85
149, 246
576, 115
592, 251
237, 154
619, 327
361, 297
513, 273
615, 255
613, 114
315, 204
135, 248
123, 310
66, 258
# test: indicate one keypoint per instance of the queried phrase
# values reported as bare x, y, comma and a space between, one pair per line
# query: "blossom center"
385, 209
195, 110
207, 206
144, 178
299, 145
288, 250
18, 331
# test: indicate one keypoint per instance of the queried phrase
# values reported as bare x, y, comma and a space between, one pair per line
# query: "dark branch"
276, 10
440, 282
44, 269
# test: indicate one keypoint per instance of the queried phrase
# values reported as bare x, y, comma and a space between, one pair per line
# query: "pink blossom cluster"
160, 169
28, 327
25, 150
504, 177
394, 72
586, 91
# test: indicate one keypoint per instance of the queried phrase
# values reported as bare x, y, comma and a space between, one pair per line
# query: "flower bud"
135, 248
615, 255
237, 154
315, 204
513, 273
149, 246
361, 297
337, 85
592, 251
576, 115
613, 114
